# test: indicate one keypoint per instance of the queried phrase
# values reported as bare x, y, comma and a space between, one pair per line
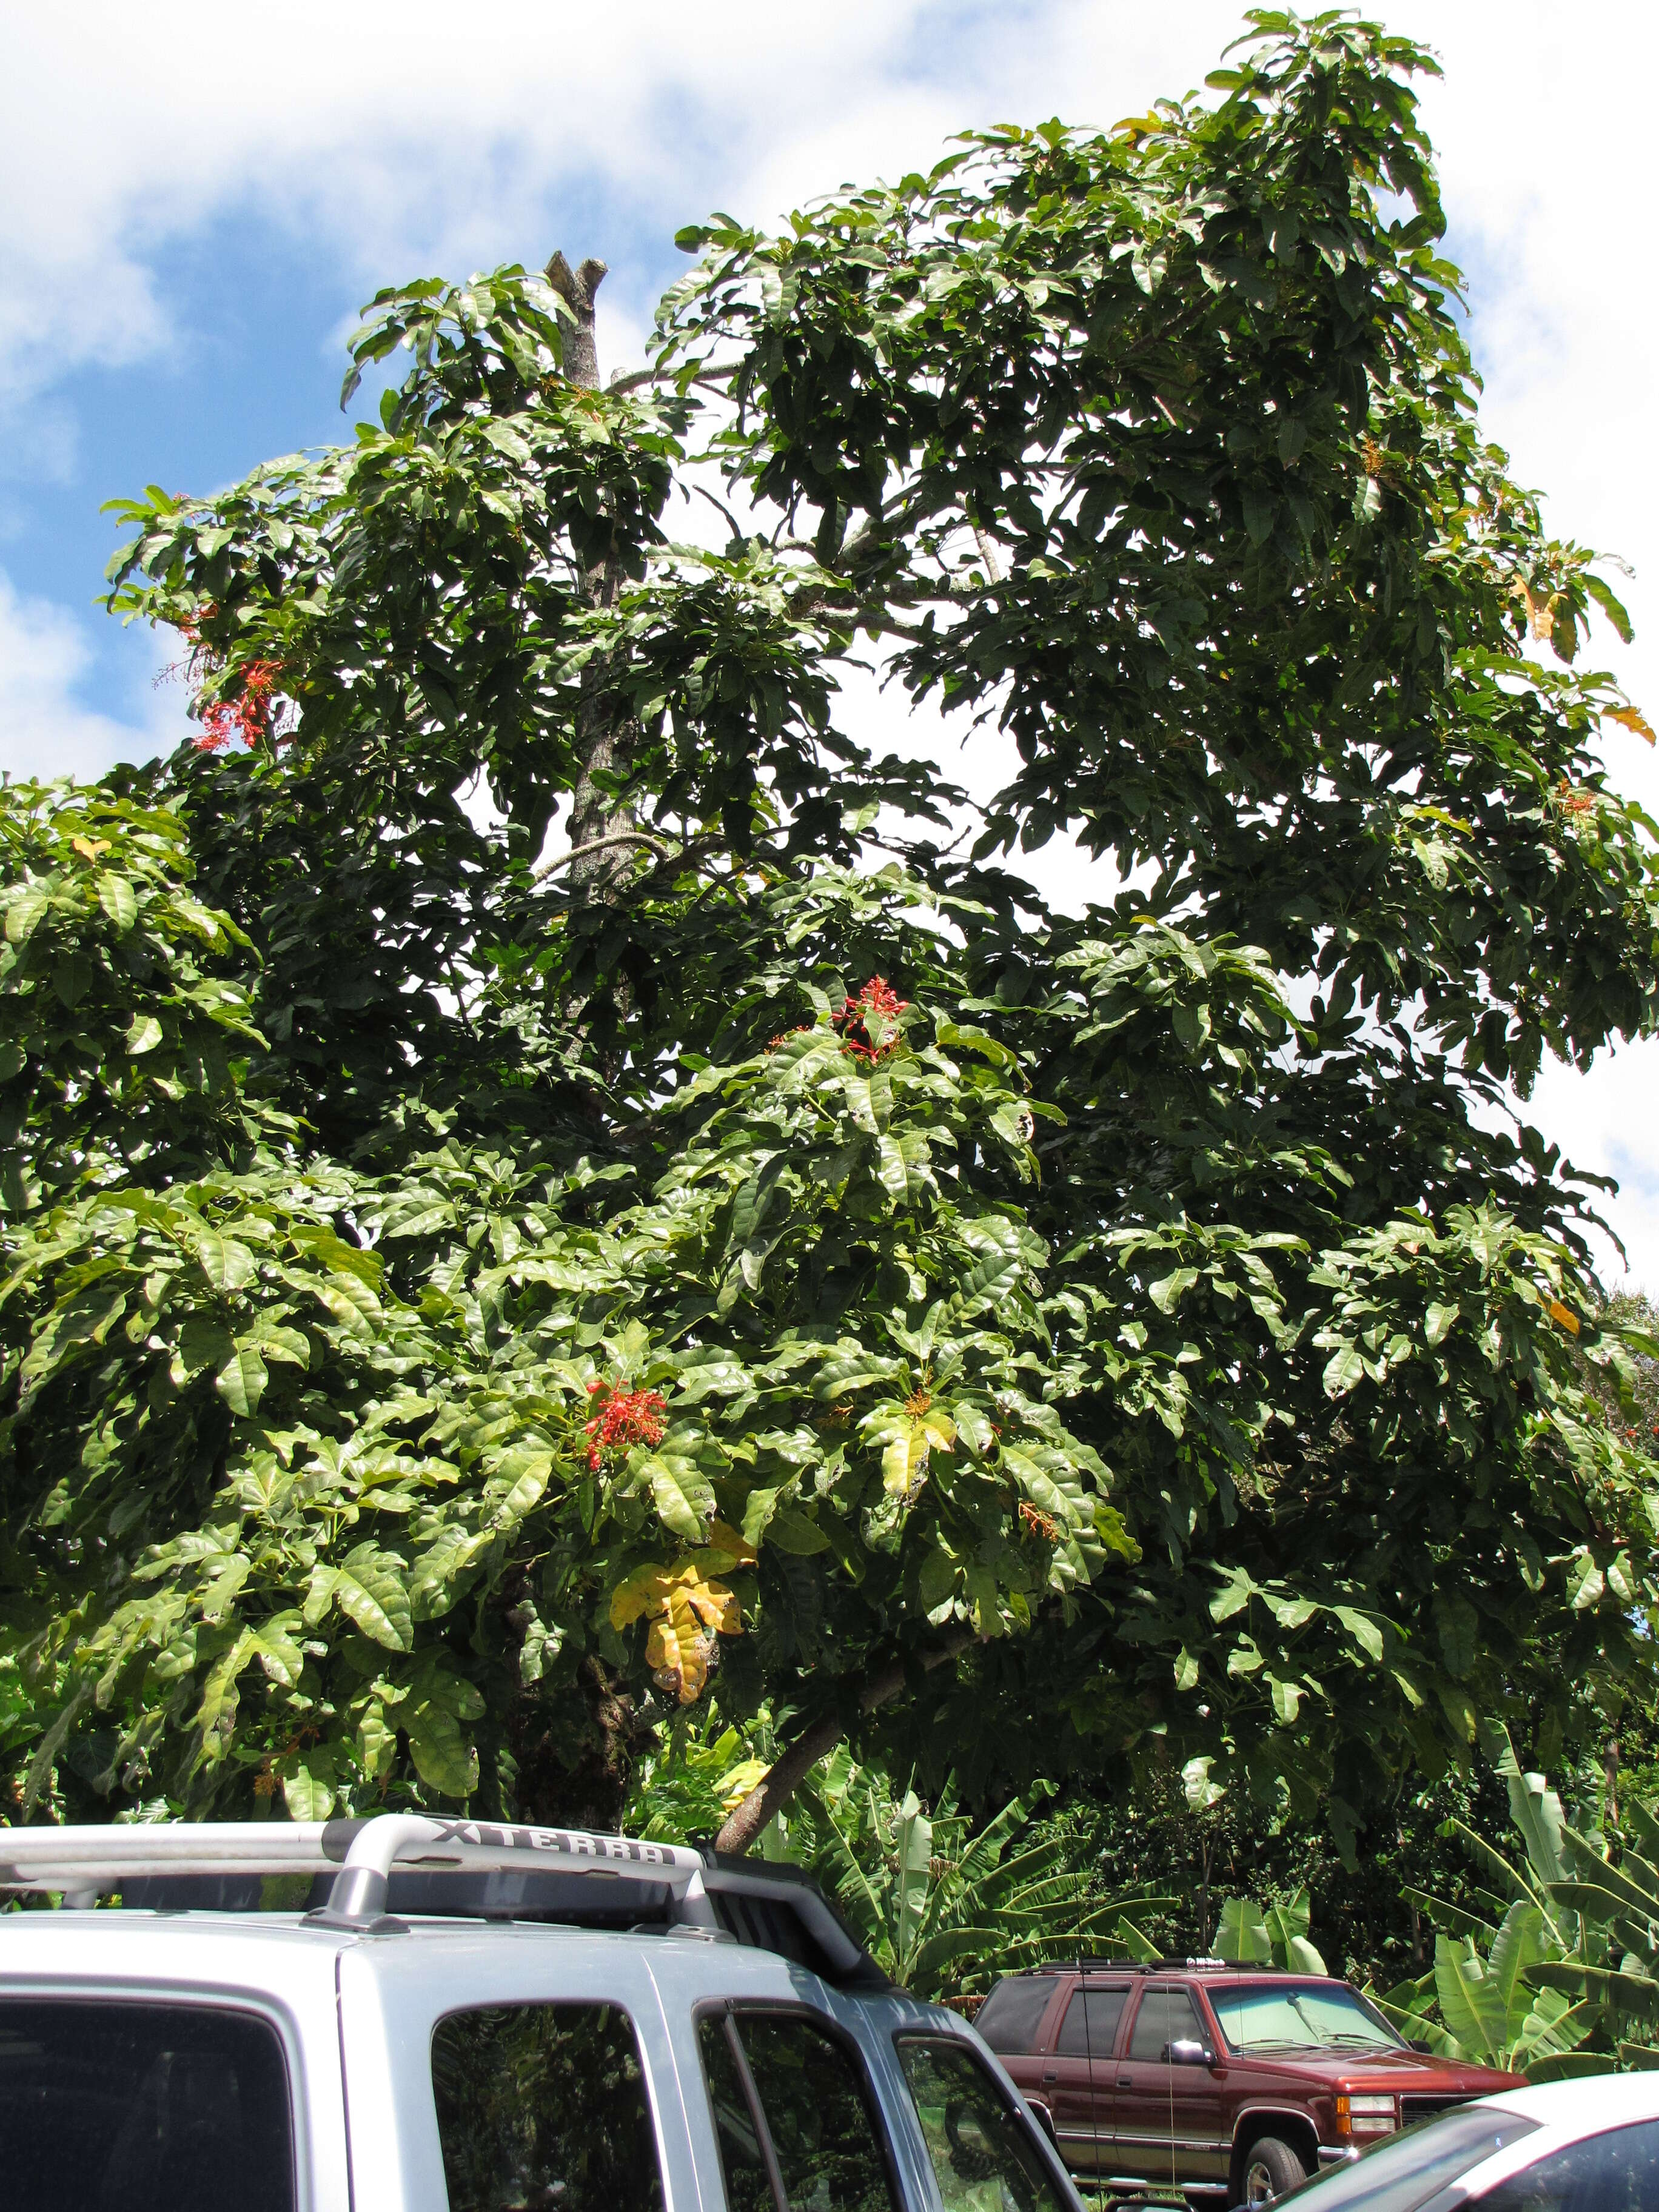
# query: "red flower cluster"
623, 1417
875, 997
247, 716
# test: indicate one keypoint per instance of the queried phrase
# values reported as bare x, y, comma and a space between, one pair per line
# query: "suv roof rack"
1171, 1966
778, 1909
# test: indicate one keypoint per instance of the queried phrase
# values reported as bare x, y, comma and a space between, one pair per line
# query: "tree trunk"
787, 1774
605, 736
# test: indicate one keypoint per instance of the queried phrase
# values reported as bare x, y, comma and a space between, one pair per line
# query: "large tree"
459, 1309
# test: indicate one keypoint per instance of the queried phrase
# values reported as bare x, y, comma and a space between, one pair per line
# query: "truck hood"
1401, 2073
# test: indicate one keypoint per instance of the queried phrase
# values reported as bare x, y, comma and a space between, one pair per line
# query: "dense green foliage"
454, 1313
1556, 1970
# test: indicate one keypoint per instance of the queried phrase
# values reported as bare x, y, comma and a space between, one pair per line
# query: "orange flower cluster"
247, 716
877, 997
1574, 802
623, 1417
1037, 1522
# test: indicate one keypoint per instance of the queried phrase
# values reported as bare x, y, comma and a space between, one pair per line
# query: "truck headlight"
1365, 2116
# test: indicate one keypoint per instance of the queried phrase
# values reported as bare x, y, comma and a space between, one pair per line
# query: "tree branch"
545, 868
787, 1774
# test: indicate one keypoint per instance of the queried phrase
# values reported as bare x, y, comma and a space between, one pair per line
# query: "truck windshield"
1298, 2016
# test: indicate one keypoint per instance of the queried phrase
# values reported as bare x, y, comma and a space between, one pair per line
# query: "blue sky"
194, 200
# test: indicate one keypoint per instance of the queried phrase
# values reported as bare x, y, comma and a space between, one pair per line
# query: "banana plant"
1558, 1975
1618, 1975
1252, 1934
943, 1908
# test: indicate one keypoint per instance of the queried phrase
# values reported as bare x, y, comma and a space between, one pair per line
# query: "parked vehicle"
470, 2017
1590, 2146
1230, 2083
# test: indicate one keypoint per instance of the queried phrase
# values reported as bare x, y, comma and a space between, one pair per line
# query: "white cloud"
383, 132
45, 730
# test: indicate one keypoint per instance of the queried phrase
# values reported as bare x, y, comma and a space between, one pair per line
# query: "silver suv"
432, 2016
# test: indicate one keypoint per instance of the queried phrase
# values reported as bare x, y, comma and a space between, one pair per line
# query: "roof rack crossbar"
81, 1862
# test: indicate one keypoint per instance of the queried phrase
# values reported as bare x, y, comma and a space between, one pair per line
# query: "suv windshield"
1297, 2015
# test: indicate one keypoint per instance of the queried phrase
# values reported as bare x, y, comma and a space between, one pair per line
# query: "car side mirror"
1189, 2051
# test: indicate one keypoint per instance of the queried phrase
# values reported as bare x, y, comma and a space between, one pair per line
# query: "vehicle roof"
1177, 1970
280, 1953
1580, 2107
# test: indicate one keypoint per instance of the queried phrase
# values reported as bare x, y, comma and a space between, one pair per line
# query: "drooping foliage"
457, 1308
1555, 1970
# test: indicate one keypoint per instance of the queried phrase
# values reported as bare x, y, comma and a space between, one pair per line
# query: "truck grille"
1425, 2108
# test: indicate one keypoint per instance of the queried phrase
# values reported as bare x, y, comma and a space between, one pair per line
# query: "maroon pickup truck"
1233, 2083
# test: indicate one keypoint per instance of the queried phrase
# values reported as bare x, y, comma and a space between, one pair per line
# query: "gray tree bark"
604, 736
793, 1765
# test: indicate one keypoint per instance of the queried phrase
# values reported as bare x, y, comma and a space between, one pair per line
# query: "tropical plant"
1560, 1979
942, 1906
692, 1776
1248, 1933
466, 1300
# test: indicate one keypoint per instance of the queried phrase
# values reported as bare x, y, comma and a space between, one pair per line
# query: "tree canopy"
459, 1307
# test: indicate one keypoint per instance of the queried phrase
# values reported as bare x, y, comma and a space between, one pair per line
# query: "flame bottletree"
459, 1308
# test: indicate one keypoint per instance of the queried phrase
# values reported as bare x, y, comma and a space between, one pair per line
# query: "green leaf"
242, 1381
681, 1493
117, 897
442, 1757
1343, 1369
1458, 1625
1240, 1933
308, 1782
369, 1589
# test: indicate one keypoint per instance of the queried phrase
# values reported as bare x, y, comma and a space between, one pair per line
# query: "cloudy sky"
193, 199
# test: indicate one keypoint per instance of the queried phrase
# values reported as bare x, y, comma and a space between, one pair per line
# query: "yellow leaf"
89, 848
1568, 1320
681, 1604
645, 1591
737, 1548
717, 1605
736, 1786
676, 1650
939, 1428
1633, 719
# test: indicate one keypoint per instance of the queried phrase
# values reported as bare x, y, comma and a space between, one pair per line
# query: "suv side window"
797, 2131
543, 2105
1010, 2017
1090, 2027
128, 2107
983, 2158
1166, 2016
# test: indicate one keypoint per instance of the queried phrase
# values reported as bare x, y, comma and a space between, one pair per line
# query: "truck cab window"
1166, 2016
1090, 2027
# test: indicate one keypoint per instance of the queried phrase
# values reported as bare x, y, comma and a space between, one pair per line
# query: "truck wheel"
1271, 2167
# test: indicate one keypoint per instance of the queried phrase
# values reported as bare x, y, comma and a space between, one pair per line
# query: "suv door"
1169, 2124
1078, 2073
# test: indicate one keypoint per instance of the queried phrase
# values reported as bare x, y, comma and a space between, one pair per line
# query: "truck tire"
1271, 2167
